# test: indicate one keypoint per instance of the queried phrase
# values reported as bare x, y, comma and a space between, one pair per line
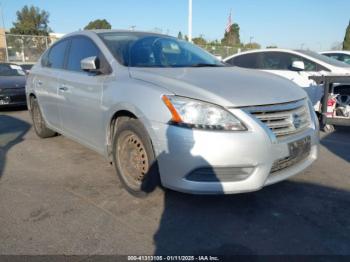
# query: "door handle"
63, 88
40, 83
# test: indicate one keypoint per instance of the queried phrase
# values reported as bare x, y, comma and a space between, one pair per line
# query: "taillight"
331, 102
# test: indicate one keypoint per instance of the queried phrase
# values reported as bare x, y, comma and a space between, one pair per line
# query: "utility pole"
23, 56
5, 41
190, 20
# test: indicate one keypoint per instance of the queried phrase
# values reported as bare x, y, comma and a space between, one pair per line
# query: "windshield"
11, 70
323, 58
147, 50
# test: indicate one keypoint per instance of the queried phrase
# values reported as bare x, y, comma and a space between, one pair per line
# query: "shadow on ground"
338, 142
13, 109
12, 131
286, 218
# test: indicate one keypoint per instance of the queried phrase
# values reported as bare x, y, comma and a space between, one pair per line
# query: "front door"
280, 63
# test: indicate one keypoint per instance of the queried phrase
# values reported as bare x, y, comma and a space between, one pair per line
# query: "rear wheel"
134, 158
329, 128
38, 121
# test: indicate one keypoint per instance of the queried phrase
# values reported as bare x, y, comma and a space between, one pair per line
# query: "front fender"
142, 99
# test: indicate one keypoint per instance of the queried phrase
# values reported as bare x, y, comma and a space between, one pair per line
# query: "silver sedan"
166, 112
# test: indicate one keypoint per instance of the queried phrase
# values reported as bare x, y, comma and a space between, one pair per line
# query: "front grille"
284, 119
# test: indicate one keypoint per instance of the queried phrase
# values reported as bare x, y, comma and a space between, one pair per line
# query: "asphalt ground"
58, 197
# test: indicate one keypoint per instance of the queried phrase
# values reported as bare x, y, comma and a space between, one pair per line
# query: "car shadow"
13, 109
338, 142
12, 131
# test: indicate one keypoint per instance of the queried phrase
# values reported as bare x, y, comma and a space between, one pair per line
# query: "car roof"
331, 65
268, 50
106, 31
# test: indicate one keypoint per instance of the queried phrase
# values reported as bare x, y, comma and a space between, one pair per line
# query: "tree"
346, 43
179, 36
232, 37
337, 46
98, 24
215, 42
271, 46
252, 46
34, 22
31, 21
199, 40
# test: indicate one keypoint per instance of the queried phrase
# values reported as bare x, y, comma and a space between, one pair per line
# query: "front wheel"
134, 158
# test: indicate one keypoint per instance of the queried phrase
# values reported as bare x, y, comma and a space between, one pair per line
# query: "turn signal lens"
175, 116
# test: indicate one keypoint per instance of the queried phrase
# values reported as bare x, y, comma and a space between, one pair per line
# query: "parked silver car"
165, 111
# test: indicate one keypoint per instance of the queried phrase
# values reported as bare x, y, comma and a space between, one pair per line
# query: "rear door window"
333, 55
346, 58
341, 57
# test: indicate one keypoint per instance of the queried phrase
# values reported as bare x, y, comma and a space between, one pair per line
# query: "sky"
312, 24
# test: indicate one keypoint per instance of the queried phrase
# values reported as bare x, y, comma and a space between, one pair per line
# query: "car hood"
225, 86
12, 82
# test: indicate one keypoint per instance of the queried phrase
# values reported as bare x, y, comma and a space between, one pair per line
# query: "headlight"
198, 114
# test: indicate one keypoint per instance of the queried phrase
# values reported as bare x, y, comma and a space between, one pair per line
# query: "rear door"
46, 82
81, 95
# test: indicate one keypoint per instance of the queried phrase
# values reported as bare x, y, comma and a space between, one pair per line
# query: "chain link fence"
221, 51
23, 48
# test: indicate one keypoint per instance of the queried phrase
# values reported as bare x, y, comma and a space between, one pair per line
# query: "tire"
38, 121
134, 158
329, 129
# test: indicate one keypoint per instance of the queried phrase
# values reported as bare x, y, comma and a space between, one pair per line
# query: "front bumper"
240, 161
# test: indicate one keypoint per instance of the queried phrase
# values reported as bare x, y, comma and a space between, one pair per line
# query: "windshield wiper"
206, 65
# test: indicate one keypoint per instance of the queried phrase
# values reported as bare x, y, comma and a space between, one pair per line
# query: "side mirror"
298, 66
90, 64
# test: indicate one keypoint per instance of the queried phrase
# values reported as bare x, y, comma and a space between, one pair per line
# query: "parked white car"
341, 55
296, 65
